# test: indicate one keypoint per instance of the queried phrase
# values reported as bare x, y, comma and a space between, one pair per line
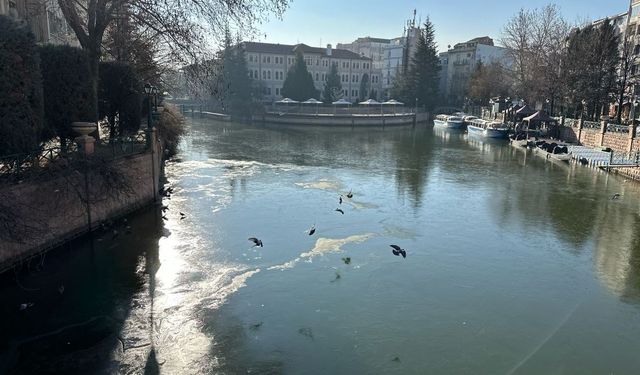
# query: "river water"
515, 265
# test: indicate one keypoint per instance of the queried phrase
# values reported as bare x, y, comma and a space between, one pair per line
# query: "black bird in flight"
340, 199
312, 230
397, 251
615, 196
339, 210
256, 241
350, 194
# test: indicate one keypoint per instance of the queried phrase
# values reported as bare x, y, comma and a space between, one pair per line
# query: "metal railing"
571, 122
617, 128
591, 124
17, 164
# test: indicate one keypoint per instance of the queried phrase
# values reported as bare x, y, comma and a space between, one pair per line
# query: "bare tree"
535, 40
626, 79
182, 28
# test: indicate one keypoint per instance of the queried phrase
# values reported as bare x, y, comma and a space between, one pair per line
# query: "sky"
320, 22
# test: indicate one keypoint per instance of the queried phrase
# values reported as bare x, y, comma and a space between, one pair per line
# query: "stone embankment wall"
52, 209
619, 142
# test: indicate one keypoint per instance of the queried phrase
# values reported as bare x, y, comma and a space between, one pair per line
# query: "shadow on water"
81, 298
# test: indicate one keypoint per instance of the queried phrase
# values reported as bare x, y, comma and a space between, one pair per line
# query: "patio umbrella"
313, 101
394, 103
341, 101
370, 102
287, 101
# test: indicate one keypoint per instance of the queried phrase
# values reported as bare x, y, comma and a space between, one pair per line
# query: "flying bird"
256, 241
350, 194
615, 196
397, 251
312, 230
346, 260
340, 199
339, 210
24, 306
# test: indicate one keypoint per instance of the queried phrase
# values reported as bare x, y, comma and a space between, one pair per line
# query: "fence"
17, 165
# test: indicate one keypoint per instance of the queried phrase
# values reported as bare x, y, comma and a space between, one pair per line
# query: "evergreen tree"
425, 68
364, 87
299, 83
332, 86
236, 90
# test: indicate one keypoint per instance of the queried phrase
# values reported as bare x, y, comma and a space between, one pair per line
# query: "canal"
515, 265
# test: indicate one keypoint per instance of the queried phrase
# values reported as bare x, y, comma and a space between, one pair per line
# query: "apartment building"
269, 64
43, 17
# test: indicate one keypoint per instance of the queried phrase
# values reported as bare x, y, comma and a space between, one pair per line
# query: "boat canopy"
525, 111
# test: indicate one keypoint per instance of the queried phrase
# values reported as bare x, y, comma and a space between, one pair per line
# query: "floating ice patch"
320, 185
324, 246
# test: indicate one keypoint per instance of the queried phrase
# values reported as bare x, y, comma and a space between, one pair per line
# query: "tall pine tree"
425, 67
364, 87
236, 90
299, 83
332, 86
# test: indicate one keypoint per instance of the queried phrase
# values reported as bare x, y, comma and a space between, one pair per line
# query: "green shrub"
120, 98
170, 127
21, 125
68, 93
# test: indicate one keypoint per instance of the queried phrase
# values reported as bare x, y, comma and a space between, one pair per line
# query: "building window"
277, 91
356, 95
317, 77
268, 59
268, 90
264, 74
255, 74
264, 59
250, 58
268, 74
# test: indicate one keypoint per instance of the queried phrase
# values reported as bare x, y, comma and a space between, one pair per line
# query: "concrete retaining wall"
54, 209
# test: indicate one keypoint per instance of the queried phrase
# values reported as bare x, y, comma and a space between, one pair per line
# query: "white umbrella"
369, 102
312, 101
393, 102
287, 101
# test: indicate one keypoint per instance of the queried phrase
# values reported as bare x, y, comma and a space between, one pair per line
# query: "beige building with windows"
269, 63
44, 17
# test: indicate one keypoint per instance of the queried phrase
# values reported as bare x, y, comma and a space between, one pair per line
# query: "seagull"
182, 214
346, 260
339, 210
350, 194
256, 241
164, 217
340, 199
397, 251
615, 196
312, 230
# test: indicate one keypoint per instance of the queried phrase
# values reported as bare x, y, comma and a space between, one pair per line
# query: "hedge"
120, 98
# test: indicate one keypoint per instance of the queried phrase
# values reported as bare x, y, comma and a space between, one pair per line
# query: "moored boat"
553, 150
487, 129
450, 122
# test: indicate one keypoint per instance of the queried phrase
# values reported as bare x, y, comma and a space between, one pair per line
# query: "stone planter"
86, 143
84, 128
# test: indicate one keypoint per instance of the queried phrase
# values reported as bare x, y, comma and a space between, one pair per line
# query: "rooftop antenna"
413, 23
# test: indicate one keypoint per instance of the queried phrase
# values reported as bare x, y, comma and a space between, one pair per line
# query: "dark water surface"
515, 265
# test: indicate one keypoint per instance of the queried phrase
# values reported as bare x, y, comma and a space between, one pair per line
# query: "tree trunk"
94, 63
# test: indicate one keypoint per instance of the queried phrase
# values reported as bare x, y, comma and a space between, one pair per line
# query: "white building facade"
44, 18
459, 63
268, 65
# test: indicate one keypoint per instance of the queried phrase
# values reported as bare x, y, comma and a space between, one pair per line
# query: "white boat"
449, 122
487, 129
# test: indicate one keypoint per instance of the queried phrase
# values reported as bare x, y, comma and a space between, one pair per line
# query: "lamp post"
584, 106
155, 97
148, 89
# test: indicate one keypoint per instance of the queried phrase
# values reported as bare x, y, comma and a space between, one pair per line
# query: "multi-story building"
462, 60
269, 64
44, 17
372, 48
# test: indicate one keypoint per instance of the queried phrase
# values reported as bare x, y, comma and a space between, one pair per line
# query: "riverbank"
76, 198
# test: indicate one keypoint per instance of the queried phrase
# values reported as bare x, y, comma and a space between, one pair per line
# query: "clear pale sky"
319, 22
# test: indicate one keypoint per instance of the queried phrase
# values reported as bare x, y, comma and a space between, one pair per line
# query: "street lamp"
155, 97
148, 89
584, 106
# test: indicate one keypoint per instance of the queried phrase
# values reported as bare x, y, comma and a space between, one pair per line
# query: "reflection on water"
514, 264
